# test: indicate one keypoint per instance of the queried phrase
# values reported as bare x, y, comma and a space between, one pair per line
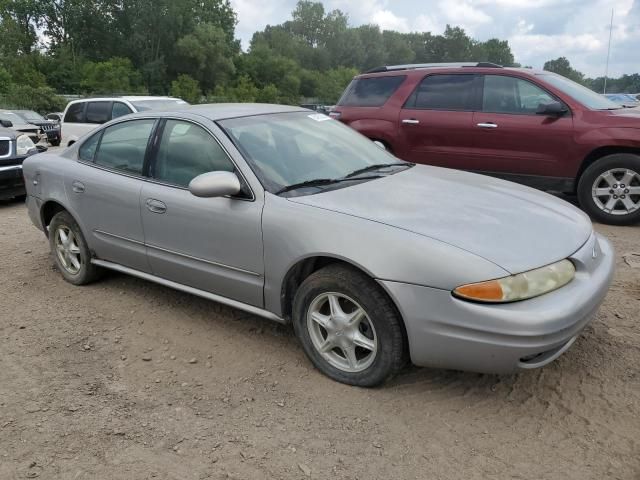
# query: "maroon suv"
531, 127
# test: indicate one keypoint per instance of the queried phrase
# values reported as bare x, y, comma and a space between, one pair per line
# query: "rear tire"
348, 327
70, 251
609, 189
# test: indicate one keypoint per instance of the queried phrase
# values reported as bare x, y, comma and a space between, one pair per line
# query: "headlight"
23, 145
519, 287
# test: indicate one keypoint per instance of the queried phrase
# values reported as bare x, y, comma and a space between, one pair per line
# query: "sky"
537, 30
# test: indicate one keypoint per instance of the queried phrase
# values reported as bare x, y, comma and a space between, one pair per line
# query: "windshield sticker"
319, 117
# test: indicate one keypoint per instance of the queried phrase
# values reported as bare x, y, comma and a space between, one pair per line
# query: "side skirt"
193, 291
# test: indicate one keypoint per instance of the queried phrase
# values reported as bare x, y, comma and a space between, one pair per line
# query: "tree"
561, 66
207, 55
186, 88
495, 51
116, 75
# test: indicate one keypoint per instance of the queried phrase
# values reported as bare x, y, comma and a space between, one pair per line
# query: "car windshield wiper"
377, 167
319, 182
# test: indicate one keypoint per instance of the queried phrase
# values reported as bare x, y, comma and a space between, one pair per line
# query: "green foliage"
116, 75
186, 88
207, 55
561, 66
5, 81
188, 48
40, 99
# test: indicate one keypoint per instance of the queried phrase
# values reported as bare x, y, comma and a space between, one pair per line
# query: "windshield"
30, 115
290, 148
588, 98
159, 104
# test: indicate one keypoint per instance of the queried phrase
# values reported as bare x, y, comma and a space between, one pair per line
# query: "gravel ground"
124, 379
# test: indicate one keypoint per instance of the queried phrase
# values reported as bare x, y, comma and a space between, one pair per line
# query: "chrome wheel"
67, 249
342, 332
617, 191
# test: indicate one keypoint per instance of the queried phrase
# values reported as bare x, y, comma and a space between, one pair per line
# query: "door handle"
155, 206
488, 125
410, 121
77, 186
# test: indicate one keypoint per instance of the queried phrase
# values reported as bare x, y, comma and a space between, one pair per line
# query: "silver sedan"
290, 215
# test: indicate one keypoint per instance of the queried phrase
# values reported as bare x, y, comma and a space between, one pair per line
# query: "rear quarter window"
370, 92
75, 113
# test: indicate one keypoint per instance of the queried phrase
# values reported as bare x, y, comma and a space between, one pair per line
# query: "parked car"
532, 127
55, 116
287, 214
623, 99
15, 122
50, 128
82, 116
14, 148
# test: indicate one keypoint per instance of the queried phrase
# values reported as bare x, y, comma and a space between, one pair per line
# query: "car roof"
221, 111
421, 69
129, 98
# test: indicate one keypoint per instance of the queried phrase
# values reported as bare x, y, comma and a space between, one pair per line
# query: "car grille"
5, 148
48, 128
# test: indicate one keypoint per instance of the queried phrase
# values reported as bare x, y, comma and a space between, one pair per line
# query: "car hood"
515, 227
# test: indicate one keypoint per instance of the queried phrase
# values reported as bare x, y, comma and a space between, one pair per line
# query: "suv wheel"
348, 327
70, 250
609, 190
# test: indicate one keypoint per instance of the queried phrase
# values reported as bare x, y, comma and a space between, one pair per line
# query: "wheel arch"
48, 210
599, 153
305, 267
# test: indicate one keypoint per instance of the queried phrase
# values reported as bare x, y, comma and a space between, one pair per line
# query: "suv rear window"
443, 92
370, 92
75, 113
98, 112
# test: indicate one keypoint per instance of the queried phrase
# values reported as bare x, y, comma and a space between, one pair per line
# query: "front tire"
609, 190
70, 251
348, 327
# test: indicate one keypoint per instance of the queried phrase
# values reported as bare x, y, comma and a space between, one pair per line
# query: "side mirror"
6, 123
380, 144
556, 109
215, 184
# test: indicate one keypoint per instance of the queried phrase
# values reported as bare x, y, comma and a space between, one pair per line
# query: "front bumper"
11, 181
446, 332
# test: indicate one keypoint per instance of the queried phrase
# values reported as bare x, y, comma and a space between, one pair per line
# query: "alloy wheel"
341, 332
617, 191
67, 249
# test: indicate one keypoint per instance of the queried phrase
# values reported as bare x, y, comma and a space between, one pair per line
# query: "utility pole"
606, 71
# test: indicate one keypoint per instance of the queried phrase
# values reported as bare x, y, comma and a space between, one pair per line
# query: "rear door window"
444, 92
98, 112
75, 113
370, 92
123, 146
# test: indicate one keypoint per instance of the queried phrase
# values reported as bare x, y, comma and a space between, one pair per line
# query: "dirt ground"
124, 379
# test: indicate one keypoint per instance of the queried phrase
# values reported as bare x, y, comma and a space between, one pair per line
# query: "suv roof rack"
415, 66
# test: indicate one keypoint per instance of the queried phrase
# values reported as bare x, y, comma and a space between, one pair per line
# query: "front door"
213, 244
511, 138
436, 121
105, 191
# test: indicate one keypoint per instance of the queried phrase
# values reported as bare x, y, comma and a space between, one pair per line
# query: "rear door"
511, 138
105, 187
436, 122
213, 244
